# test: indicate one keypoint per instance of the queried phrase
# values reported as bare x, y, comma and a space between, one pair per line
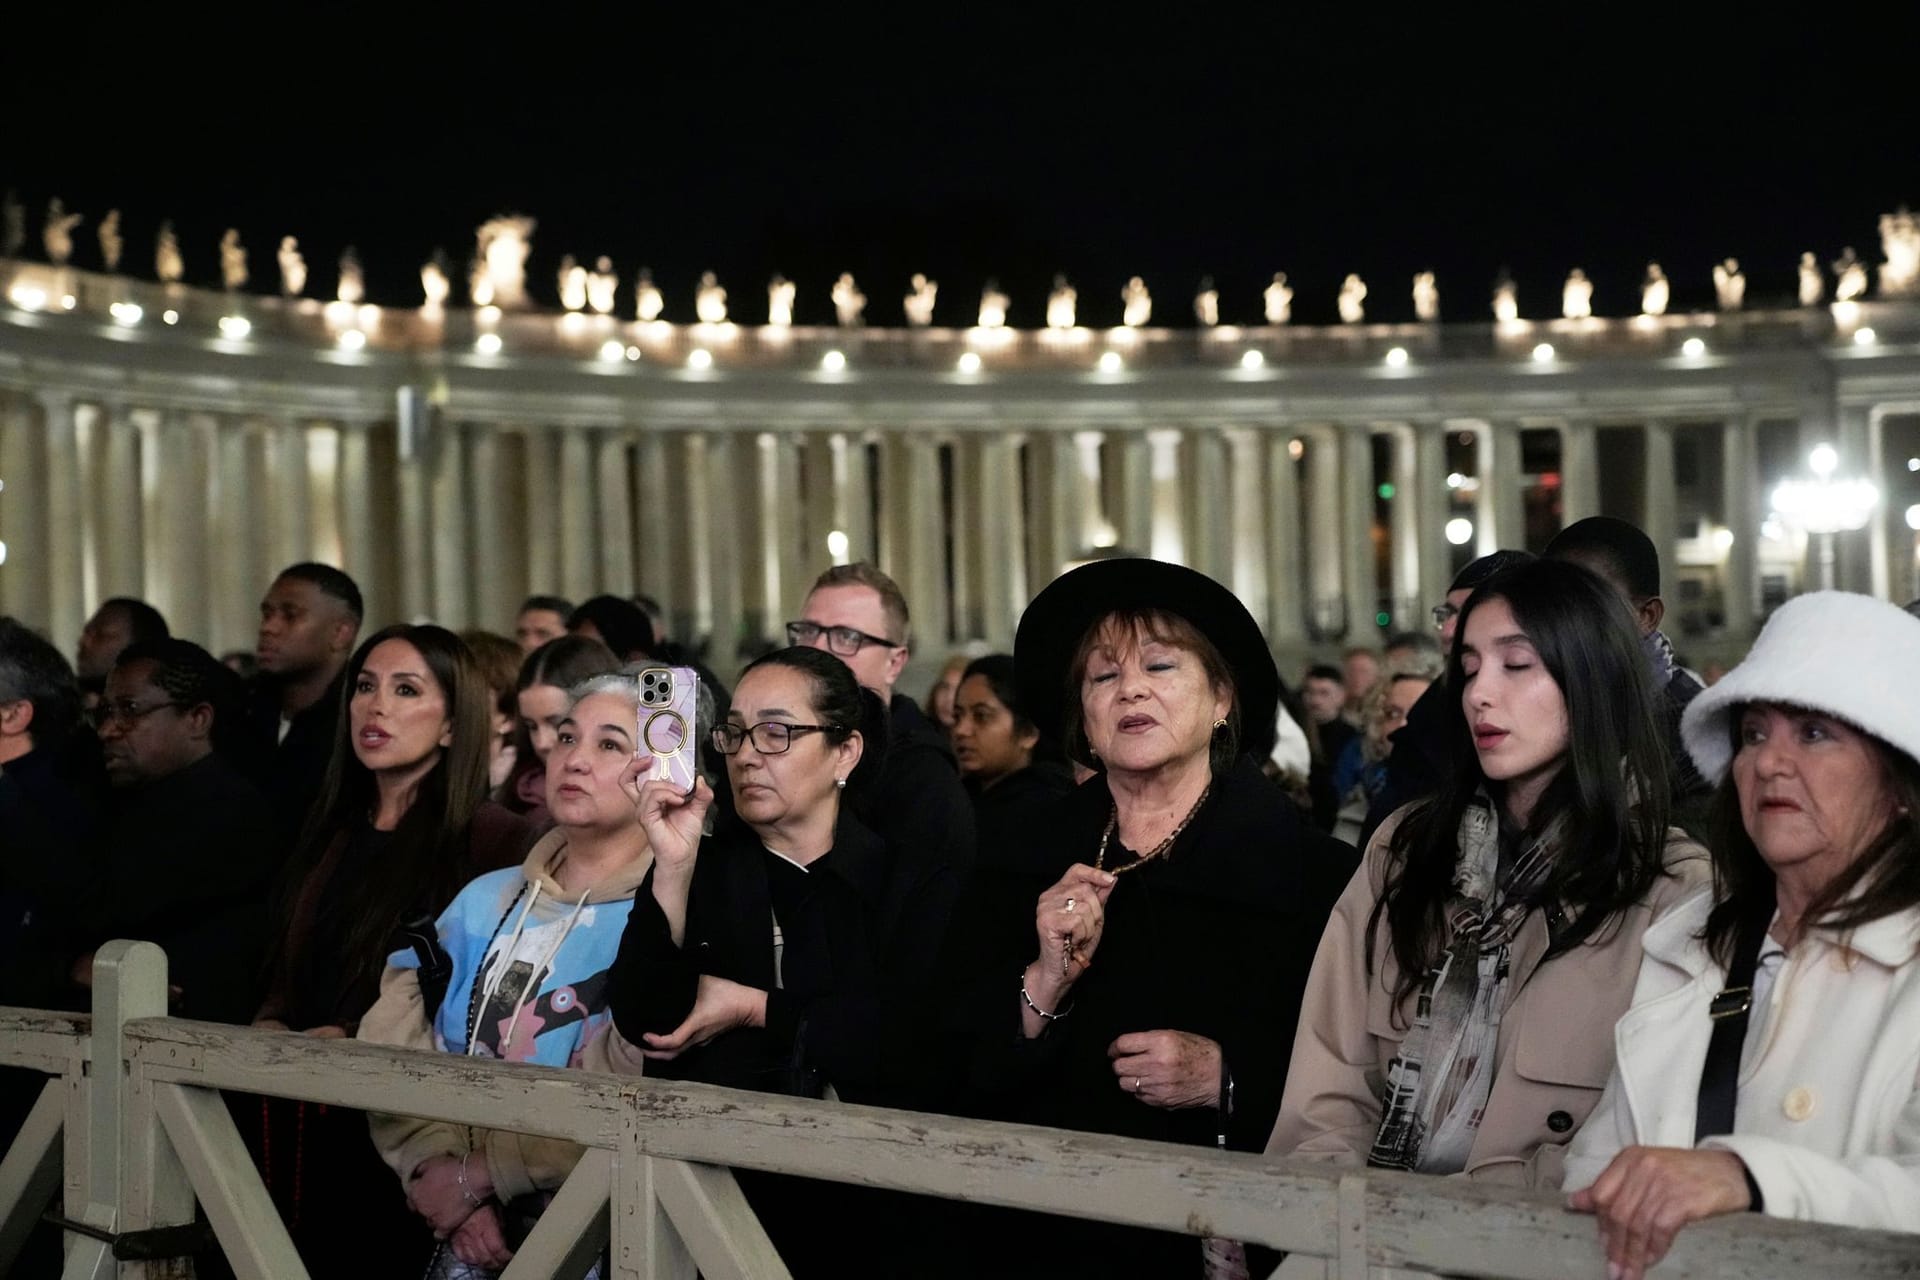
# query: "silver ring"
1136, 1084
1069, 904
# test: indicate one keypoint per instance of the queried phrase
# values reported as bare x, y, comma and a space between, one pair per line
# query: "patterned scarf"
1437, 1085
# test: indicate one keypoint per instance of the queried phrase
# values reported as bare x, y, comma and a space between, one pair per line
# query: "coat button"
1559, 1122
1798, 1105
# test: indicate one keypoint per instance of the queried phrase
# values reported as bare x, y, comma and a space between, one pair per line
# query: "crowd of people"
1518, 899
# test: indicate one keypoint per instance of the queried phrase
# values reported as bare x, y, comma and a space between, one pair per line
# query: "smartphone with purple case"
668, 731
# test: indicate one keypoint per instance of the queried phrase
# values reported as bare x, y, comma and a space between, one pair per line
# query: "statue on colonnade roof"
780, 291
1850, 277
353, 281
1062, 304
503, 244
1278, 297
710, 300
57, 234
1136, 304
233, 260
167, 264
1576, 296
293, 267
919, 302
1730, 285
1900, 245
1426, 298
603, 286
1353, 300
848, 301
1813, 285
572, 281
648, 301
435, 288
1206, 303
993, 306
112, 245
1506, 299
1656, 292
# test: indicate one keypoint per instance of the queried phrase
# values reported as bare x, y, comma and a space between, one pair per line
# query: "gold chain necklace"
1113, 820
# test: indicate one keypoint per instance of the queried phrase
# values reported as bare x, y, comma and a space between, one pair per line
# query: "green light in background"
1382, 619
1386, 491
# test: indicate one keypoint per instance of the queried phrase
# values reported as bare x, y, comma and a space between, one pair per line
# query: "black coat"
845, 966
291, 770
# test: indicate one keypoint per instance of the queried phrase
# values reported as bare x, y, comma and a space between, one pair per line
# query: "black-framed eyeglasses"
770, 737
1444, 613
845, 641
125, 713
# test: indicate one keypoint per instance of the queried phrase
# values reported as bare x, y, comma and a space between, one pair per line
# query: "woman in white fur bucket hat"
1769, 1061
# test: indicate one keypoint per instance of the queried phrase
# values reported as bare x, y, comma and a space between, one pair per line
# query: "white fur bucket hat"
1851, 656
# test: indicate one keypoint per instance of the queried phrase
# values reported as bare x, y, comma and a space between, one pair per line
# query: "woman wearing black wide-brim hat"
1179, 896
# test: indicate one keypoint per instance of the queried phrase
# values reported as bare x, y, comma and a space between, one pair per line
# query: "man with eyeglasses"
915, 802
188, 852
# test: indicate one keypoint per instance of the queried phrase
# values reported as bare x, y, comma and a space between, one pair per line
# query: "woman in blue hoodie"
521, 975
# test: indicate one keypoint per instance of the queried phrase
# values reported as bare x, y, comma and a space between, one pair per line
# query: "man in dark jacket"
309, 620
189, 850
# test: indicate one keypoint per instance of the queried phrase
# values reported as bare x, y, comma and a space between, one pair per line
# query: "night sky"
989, 142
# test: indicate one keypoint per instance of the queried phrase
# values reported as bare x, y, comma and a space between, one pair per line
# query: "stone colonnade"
453, 519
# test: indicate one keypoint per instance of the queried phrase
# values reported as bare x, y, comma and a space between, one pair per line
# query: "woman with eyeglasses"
766, 954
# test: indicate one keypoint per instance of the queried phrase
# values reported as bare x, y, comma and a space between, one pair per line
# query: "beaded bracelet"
1050, 1017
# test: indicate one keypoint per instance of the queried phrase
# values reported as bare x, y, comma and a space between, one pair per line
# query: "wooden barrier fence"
130, 1131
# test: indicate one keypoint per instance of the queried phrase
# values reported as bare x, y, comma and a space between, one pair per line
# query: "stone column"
1886, 516
914, 528
819, 503
613, 472
190, 441
66, 536
1500, 508
1740, 495
998, 515
1579, 472
1208, 501
1247, 539
1359, 575
1053, 487
235, 568
698, 528
1434, 502
1166, 539
1286, 614
121, 557
660, 559
1131, 493
969, 587
1413, 541
724, 548
24, 580
1853, 440
1090, 527
853, 482
776, 466
492, 597
365, 561
290, 515
1324, 530
452, 549
543, 514
1661, 520
575, 514
89, 431
176, 571
419, 437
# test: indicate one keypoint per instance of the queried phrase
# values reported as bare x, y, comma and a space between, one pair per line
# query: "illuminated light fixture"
1772, 530
1693, 348
1543, 354
1913, 464
700, 358
1823, 460
1252, 360
67, 302
612, 350
3, 553
488, 344
633, 353
1386, 492
1110, 362
488, 315
1722, 539
127, 313
1913, 522
1455, 480
970, 362
1864, 337
352, 340
1296, 449
169, 316
838, 544
27, 298
1397, 358
1459, 531
833, 362
235, 327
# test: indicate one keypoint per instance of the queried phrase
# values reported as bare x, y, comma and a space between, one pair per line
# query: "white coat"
1828, 1110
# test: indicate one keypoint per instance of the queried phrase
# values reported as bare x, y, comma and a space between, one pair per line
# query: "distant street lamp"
1825, 506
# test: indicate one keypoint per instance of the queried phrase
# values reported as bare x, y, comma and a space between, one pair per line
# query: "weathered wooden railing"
133, 1117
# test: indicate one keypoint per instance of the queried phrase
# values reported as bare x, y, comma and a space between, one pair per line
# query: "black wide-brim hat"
1058, 618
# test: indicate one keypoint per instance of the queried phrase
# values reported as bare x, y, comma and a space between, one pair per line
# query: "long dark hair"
426, 862
1883, 880
1612, 790
997, 670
